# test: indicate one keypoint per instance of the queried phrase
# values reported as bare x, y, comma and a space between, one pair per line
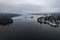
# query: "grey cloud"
25, 6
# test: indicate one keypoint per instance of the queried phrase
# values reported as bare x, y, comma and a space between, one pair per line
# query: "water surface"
28, 29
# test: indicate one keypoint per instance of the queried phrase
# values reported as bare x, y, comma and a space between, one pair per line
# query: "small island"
6, 21
50, 20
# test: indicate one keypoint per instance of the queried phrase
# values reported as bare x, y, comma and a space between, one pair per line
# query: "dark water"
28, 29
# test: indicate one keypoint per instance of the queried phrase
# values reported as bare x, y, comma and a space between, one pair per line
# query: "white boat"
53, 24
59, 25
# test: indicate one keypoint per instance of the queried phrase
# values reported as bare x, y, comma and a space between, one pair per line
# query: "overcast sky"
29, 6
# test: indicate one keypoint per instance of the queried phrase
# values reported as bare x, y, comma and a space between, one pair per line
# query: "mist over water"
27, 28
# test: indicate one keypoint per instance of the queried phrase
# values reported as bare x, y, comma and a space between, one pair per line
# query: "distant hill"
8, 15
56, 14
38, 14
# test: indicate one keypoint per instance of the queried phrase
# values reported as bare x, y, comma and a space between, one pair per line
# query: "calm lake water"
28, 29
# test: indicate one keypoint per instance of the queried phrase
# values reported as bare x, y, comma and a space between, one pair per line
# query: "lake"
26, 28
